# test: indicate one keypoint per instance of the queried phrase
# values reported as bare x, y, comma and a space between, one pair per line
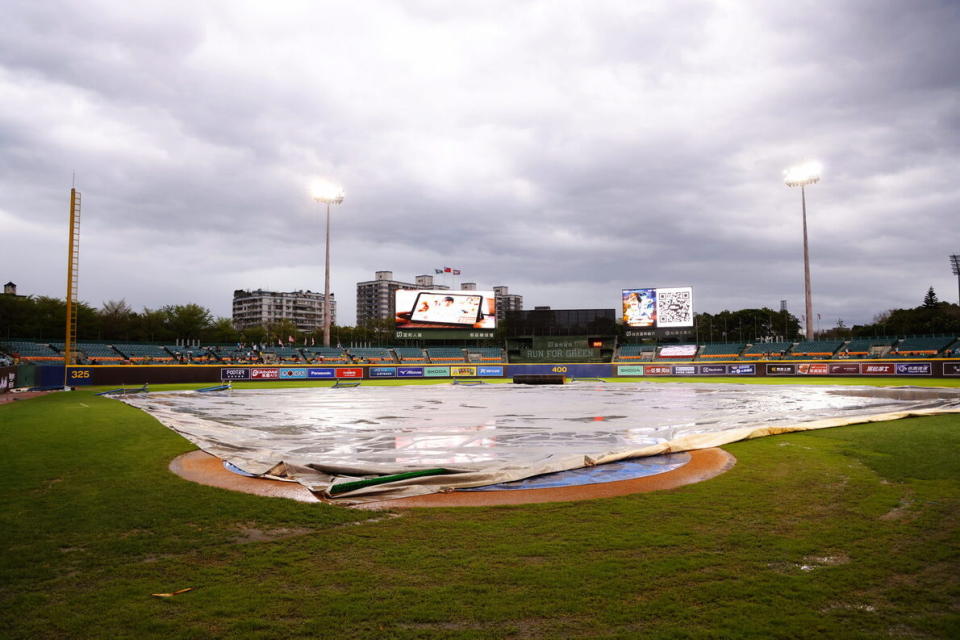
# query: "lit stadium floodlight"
327, 193
800, 176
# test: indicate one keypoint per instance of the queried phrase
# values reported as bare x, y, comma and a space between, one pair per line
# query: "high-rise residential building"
377, 300
506, 302
263, 308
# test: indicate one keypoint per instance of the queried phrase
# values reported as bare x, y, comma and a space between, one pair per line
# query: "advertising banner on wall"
264, 374
349, 372
815, 369
878, 368
914, 369
712, 369
459, 371
490, 372
845, 369
685, 370
444, 309
951, 368
781, 369
322, 373
436, 372
661, 307
292, 372
742, 369
409, 372
382, 372
631, 370
658, 370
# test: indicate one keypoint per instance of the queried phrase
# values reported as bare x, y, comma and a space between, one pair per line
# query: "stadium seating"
99, 353
485, 354
822, 349
410, 354
325, 355
628, 352
29, 351
766, 350
291, 355
442, 355
721, 351
921, 346
865, 348
144, 353
372, 355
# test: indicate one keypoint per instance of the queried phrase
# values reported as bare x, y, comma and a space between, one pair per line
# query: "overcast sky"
565, 149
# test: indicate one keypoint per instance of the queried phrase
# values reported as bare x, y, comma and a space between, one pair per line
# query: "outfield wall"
117, 375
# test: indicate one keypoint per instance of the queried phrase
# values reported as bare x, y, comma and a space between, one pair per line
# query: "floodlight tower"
955, 263
327, 193
800, 176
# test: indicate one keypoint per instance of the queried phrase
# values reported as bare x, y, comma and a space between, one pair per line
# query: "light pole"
801, 176
327, 193
955, 263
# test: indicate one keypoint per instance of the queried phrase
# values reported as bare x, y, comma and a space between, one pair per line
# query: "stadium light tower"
955, 263
327, 193
800, 176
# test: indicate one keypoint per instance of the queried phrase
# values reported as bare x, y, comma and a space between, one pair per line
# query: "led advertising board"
660, 307
439, 309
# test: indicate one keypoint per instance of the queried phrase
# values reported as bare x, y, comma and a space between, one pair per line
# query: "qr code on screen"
675, 307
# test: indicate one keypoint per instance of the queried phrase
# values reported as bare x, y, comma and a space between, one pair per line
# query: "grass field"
841, 533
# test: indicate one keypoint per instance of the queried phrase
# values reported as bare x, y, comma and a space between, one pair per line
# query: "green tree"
221, 331
187, 321
117, 320
930, 300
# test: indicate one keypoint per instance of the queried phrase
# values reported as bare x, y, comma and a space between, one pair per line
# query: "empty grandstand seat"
332, 355
142, 353
485, 354
374, 355
635, 352
410, 354
29, 351
446, 354
922, 346
865, 348
807, 349
721, 351
768, 350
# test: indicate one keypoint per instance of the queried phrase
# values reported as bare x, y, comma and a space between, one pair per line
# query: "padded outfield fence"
47, 375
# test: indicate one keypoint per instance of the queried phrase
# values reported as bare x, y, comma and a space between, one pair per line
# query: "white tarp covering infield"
490, 434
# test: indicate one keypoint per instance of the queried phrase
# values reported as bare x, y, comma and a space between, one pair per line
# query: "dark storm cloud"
566, 150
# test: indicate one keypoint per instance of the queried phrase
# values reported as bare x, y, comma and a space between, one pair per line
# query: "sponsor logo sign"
781, 369
742, 369
463, 371
321, 372
436, 372
382, 372
409, 372
630, 370
655, 370
813, 369
492, 372
685, 370
878, 369
712, 369
349, 372
288, 372
951, 368
845, 369
235, 374
264, 374
914, 369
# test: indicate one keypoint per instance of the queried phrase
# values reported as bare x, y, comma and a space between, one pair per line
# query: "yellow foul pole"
73, 263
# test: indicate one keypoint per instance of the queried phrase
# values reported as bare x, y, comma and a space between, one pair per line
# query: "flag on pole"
456, 272
447, 269
438, 270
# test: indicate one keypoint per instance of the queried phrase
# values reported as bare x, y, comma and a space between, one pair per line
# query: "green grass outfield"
851, 532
